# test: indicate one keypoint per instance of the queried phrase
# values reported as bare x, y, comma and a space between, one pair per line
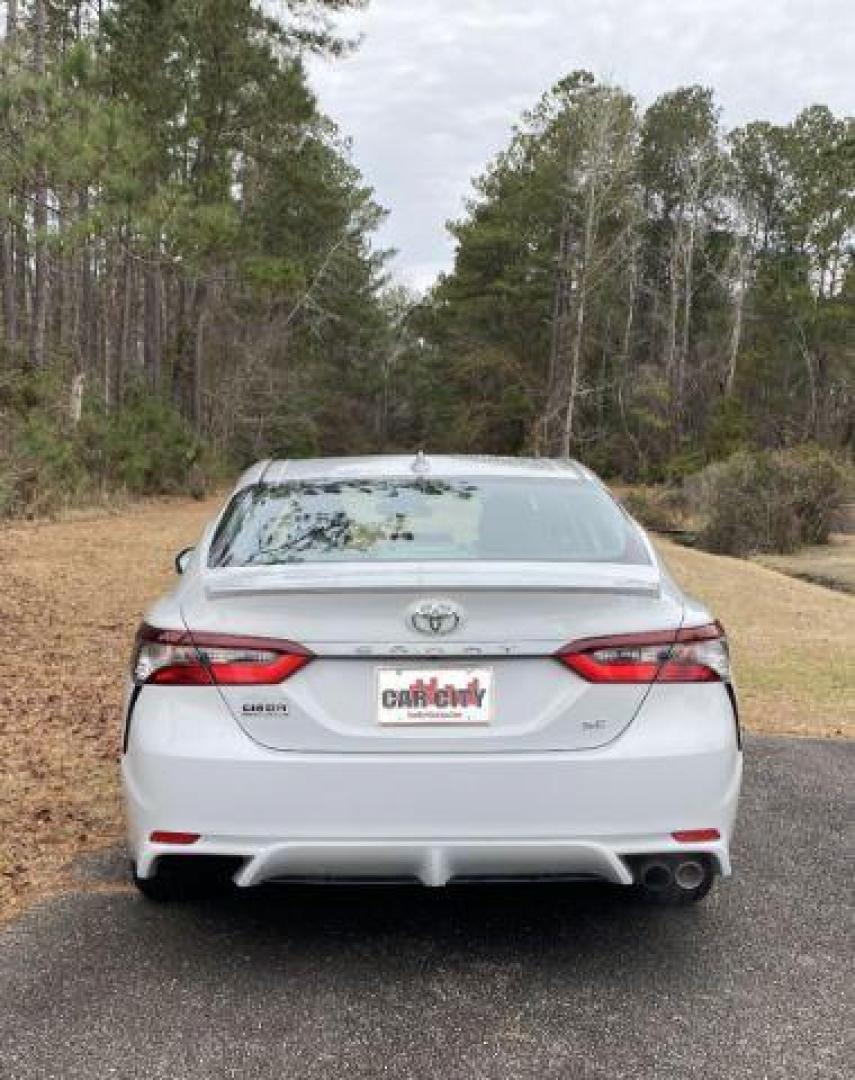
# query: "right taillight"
177, 658
697, 654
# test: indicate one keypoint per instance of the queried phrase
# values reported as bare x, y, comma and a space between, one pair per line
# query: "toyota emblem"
437, 617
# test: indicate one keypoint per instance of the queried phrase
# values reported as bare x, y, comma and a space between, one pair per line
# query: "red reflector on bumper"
159, 836
696, 836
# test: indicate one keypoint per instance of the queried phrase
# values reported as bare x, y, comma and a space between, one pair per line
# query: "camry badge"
435, 617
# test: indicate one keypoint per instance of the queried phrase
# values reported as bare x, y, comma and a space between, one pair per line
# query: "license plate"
451, 696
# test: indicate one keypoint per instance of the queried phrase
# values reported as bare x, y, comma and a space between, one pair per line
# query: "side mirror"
182, 558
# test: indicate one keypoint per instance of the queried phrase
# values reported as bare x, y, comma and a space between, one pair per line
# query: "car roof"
275, 471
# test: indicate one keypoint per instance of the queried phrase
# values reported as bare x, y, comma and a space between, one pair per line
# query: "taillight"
698, 654
178, 658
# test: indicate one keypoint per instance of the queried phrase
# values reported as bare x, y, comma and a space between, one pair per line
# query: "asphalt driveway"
567, 982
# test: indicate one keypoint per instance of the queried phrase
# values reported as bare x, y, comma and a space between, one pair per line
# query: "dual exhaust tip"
684, 873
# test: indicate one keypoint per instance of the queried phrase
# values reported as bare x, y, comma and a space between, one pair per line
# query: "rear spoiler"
613, 578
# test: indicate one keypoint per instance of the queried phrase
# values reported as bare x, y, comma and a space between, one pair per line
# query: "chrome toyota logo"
435, 617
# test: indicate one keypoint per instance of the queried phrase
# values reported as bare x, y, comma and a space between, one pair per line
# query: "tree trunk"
180, 289
743, 258
122, 323
559, 305
575, 366
688, 286
574, 372
809, 430
188, 371
86, 335
39, 307
76, 403
152, 331
626, 347
735, 338
7, 241
110, 322
7, 274
198, 356
673, 309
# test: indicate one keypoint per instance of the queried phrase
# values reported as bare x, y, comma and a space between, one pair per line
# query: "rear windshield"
420, 519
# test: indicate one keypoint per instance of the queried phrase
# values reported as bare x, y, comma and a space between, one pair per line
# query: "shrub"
50, 472
145, 448
728, 429
662, 509
769, 502
48, 463
820, 486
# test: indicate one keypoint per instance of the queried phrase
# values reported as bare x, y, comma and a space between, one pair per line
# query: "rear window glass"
421, 519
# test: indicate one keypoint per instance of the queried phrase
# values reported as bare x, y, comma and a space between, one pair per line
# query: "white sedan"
431, 669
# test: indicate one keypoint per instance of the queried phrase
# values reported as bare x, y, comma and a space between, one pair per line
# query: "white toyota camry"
431, 669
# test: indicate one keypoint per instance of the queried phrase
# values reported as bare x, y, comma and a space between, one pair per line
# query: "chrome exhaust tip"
689, 874
672, 879
656, 876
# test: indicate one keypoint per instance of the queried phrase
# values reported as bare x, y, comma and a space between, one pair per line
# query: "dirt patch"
74, 590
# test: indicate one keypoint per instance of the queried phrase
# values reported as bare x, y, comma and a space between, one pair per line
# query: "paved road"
497, 983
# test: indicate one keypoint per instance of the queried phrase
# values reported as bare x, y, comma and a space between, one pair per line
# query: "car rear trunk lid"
358, 623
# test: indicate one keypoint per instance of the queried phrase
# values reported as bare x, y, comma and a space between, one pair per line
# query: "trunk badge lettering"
259, 708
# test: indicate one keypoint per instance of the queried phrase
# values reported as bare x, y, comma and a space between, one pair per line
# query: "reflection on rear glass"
424, 519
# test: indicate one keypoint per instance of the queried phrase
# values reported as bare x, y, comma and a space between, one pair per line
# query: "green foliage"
684, 463
50, 463
208, 269
728, 429
768, 501
146, 448
692, 294
189, 232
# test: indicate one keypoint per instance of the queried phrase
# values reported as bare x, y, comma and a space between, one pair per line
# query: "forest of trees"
188, 270
648, 292
185, 246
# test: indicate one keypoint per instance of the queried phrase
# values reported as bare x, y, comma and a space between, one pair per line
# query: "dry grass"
830, 564
73, 591
793, 642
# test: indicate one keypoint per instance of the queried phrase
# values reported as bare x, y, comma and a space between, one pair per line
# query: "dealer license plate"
451, 696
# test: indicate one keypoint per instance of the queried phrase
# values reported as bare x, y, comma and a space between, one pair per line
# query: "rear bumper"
431, 862
432, 817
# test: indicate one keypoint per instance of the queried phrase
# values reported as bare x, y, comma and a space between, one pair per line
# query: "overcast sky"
436, 85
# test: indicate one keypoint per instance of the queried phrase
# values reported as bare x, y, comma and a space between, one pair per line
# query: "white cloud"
434, 89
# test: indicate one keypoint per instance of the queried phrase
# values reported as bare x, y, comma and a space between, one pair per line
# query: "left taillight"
696, 654
177, 658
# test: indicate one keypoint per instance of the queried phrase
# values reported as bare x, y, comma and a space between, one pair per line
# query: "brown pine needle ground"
72, 594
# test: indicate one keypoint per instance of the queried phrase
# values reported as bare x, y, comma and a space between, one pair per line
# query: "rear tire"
185, 879
162, 890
